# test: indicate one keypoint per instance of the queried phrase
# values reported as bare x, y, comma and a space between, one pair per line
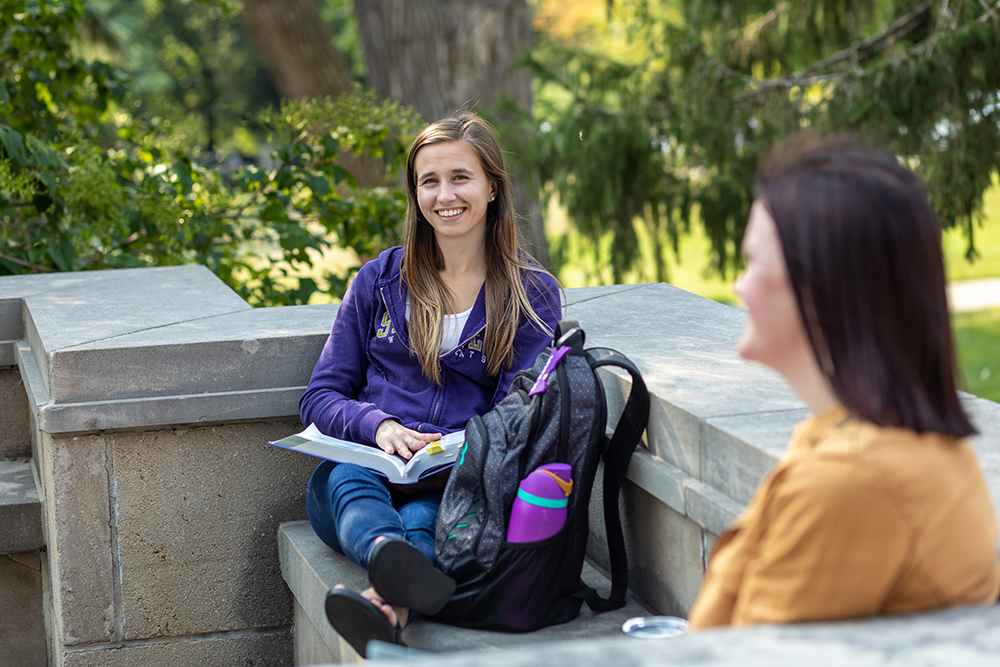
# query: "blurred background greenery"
263, 138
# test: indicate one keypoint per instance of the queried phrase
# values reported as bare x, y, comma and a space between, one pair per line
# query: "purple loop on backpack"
542, 382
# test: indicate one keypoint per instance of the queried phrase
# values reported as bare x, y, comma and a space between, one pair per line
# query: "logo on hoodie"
386, 329
477, 344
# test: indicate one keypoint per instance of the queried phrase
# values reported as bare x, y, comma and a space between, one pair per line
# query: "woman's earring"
493, 197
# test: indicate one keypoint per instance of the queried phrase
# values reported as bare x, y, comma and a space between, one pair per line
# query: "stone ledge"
153, 412
151, 348
964, 636
20, 508
311, 569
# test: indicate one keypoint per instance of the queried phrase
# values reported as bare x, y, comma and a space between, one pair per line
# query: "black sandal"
359, 621
404, 577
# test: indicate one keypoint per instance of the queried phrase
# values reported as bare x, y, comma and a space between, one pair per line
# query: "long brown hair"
507, 302
863, 249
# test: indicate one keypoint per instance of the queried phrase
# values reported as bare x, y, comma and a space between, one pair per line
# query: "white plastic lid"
655, 627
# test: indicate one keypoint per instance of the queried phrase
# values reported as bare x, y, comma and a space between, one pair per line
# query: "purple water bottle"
539, 510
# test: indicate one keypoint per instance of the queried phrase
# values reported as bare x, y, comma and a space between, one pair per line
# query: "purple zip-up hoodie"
365, 373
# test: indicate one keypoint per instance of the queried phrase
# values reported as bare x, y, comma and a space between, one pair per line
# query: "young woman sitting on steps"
428, 335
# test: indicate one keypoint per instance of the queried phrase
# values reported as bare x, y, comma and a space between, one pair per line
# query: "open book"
430, 459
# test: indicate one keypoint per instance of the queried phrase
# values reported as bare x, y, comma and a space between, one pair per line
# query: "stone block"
659, 479
311, 647
243, 351
964, 636
738, 451
985, 416
11, 324
111, 350
33, 383
11, 329
708, 541
73, 309
20, 508
271, 647
243, 366
665, 553
663, 547
196, 513
15, 439
672, 434
22, 628
310, 568
710, 508
81, 552
578, 295
685, 347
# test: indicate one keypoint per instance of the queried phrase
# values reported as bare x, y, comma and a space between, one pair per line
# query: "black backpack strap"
616, 459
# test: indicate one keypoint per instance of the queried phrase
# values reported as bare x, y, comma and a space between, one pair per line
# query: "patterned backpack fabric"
555, 412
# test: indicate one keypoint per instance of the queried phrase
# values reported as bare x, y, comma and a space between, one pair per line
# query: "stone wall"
15, 439
146, 398
717, 425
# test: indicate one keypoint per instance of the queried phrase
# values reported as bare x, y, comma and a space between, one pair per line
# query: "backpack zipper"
565, 413
484, 435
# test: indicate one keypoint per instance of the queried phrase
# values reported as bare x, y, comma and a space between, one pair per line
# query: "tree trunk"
296, 47
298, 51
439, 56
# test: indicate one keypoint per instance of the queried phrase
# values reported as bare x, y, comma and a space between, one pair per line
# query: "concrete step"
311, 569
20, 508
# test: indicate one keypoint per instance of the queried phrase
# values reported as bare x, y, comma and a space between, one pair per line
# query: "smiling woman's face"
774, 334
453, 191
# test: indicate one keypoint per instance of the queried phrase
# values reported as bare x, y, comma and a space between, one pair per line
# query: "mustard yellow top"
856, 520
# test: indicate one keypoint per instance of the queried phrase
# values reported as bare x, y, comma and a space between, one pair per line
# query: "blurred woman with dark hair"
878, 505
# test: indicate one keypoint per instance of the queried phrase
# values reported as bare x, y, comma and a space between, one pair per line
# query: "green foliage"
709, 85
191, 65
52, 109
987, 242
606, 162
303, 202
86, 185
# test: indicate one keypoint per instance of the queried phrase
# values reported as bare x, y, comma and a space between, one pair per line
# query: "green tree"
84, 184
681, 115
436, 57
190, 63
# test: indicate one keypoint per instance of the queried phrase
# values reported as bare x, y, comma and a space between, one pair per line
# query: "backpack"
555, 411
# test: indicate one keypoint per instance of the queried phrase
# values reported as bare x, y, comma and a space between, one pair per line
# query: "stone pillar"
147, 399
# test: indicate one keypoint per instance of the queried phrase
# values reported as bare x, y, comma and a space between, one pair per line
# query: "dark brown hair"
507, 303
863, 249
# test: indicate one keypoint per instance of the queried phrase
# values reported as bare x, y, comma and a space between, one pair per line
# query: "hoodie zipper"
441, 357
473, 335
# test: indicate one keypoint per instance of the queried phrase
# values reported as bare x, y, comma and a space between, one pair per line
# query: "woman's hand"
394, 438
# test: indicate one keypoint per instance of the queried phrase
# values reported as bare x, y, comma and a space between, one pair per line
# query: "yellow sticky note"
435, 447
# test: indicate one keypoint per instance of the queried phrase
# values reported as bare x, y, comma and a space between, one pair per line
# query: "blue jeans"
349, 506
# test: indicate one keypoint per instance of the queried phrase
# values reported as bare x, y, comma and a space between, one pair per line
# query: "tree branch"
36, 267
899, 28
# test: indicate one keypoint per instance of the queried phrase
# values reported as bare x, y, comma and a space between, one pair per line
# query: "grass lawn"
689, 270
692, 273
987, 238
977, 336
